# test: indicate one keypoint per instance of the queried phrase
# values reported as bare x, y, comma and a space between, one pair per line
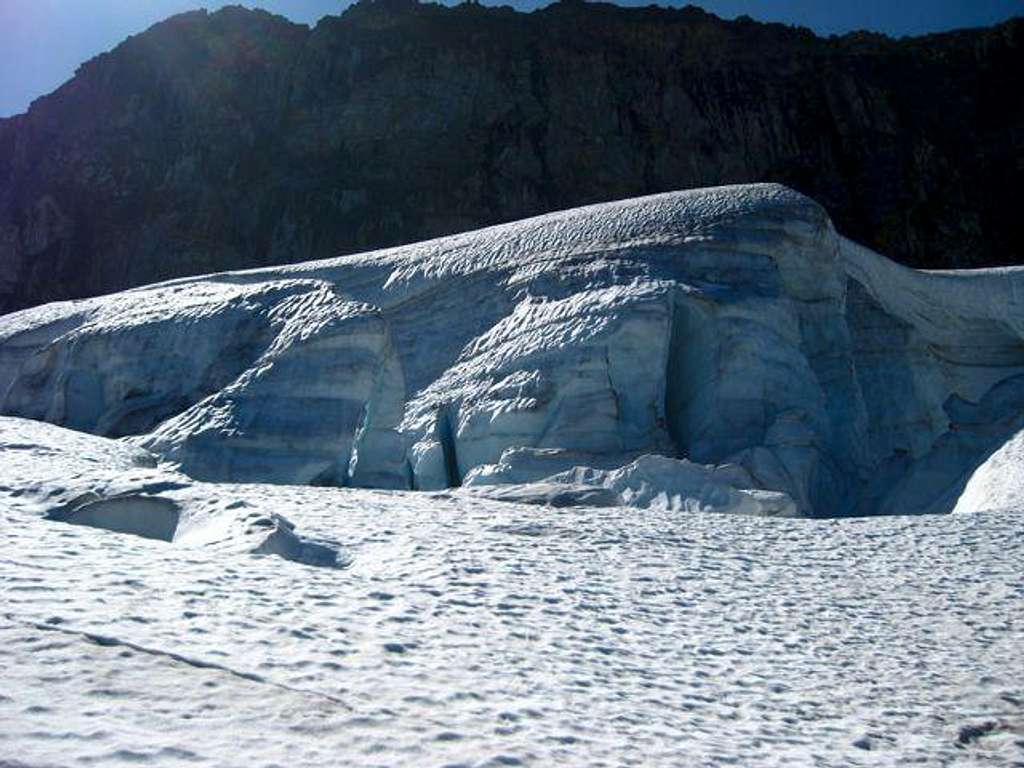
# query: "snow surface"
467, 631
78, 479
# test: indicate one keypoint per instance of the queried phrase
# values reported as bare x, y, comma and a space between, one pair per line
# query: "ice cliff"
715, 349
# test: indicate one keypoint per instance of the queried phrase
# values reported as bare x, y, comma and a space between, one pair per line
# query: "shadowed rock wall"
235, 139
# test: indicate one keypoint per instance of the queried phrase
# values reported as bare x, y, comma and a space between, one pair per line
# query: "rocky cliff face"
235, 139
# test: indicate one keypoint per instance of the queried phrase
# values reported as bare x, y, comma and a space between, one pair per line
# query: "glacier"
729, 328
523, 496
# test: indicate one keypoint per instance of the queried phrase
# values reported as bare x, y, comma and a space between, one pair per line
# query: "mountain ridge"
238, 139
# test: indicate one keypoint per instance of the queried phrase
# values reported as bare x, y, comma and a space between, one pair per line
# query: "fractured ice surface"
650, 482
719, 349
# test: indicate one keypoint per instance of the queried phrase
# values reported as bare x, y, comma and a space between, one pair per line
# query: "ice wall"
728, 328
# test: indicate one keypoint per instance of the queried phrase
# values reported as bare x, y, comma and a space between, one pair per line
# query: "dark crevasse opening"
690, 375
446, 436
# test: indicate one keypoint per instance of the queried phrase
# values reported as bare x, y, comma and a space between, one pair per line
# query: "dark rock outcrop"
234, 139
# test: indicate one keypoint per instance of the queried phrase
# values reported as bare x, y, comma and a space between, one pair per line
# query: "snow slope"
78, 479
730, 327
466, 631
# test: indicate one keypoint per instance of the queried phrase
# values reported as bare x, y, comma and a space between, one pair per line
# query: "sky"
42, 42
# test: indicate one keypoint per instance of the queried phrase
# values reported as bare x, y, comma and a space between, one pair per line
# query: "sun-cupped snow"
716, 349
465, 631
